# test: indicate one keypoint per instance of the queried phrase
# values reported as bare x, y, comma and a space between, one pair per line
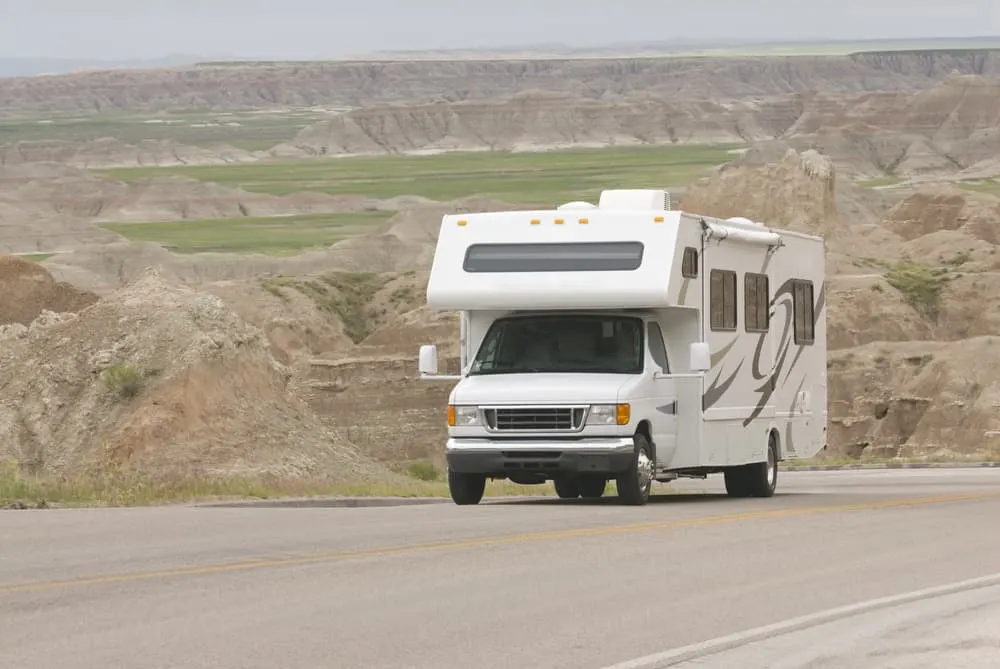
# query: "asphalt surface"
522, 584
958, 631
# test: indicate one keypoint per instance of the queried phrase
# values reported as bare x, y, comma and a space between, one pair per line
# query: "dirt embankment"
164, 380
338, 84
28, 290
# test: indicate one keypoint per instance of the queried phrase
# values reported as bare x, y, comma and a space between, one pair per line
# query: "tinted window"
722, 299
802, 292
756, 302
598, 344
556, 257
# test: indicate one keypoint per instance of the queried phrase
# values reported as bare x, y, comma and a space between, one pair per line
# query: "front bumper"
610, 456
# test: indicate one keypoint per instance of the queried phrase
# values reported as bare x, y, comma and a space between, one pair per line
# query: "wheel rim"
772, 467
644, 471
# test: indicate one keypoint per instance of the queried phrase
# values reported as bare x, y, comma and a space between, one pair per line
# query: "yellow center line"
486, 542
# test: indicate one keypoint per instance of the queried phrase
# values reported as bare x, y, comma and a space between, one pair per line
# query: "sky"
316, 29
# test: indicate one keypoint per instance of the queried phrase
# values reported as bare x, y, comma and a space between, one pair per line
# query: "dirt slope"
278, 85
196, 393
26, 290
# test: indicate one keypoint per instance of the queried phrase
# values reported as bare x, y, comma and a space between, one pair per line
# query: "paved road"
958, 630
542, 584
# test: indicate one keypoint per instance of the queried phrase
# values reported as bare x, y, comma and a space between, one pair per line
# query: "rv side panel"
738, 408
799, 304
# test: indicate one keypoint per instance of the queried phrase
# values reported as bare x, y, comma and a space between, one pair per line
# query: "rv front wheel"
566, 487
466, 489
635, 482
592, 487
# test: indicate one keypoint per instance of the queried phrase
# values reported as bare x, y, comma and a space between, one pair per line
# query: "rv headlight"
609, 414
463, 416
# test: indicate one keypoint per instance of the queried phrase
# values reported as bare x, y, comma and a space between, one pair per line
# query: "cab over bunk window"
756, 302
802, 294
554, 257
689, 263
722, 299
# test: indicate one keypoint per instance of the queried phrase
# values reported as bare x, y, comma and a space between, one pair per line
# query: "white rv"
628, 342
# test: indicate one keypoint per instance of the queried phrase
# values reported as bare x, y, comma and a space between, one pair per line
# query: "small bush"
123, 379
347, 294
424, 470
920, 286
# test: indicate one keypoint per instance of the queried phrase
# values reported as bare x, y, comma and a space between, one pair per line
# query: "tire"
592, 487
635, 483
566, 487
466, 489
762, 477
755, 480
737, 483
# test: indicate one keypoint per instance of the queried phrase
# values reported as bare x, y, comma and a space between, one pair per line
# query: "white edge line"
685, 653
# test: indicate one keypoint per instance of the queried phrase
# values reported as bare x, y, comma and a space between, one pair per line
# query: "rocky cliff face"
277, 85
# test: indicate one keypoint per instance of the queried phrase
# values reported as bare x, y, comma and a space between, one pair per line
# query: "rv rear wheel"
755, 480
737, 482
466, 489
566, 487
592, 487
762, 477
635, 482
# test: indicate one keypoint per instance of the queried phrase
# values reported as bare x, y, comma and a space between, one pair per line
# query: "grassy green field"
522, 178
35, 257
880, 182
990, 186
250, 130
276, 235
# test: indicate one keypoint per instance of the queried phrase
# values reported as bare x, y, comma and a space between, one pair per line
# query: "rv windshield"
574, 344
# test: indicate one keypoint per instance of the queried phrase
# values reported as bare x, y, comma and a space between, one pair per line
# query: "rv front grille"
535, 419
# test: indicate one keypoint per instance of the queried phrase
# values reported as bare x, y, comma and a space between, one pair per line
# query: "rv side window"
656, 347
722, 299
802, 294
756, 300
689, 263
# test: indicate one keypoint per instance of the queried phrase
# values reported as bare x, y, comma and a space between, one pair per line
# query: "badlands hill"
951, 126
159, 379
352, 84
314, 374
110, 152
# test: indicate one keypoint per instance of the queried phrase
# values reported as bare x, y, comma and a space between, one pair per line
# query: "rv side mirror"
428, 360
701, 357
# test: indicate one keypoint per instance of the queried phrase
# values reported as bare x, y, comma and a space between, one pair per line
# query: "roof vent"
577, 205
635, 199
